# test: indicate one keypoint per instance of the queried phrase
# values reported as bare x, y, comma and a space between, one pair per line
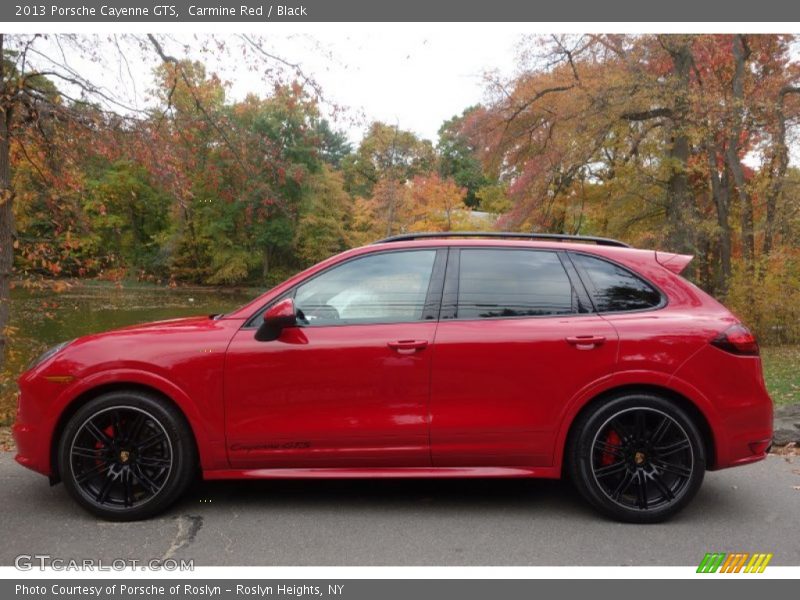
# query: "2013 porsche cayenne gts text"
424, 355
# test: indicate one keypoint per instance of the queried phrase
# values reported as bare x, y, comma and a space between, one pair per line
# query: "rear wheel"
638, 458
126, 455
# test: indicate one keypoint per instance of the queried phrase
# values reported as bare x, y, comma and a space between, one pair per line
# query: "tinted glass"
379, 288
615, 288
512, 283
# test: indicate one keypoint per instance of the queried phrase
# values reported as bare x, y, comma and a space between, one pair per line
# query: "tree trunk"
720, 194
391, 208
6, 209
265, 263
779, 163
679, 200
740, 55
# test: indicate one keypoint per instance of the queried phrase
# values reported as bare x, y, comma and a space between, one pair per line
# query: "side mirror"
278, 317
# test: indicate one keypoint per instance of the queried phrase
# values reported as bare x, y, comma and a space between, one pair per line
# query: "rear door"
516, 341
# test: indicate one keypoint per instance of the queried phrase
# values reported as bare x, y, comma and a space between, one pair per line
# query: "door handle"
408, 346
586, 342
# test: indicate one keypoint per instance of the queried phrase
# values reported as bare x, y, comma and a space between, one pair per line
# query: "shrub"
769, 300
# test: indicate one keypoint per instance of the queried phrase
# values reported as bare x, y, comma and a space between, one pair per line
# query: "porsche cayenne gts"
423, 355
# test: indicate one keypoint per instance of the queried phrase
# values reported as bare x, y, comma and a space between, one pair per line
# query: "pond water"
43, 317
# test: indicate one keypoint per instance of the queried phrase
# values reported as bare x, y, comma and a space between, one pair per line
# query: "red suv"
423, 355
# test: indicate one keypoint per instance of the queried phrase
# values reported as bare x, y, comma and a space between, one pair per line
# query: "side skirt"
389, 473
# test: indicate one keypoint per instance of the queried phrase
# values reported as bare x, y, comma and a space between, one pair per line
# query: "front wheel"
126, 455
637, 458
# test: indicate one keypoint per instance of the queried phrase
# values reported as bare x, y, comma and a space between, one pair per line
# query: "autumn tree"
459, 158
677, 141
325, 225
437, 205
378, 171
386, 152
41, 91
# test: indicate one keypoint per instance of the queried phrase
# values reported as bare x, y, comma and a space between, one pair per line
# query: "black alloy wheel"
126, 455
637, 458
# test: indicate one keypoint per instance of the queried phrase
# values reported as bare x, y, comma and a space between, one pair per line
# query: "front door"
349, 387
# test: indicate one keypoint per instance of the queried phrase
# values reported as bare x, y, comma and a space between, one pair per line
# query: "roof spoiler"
674, 262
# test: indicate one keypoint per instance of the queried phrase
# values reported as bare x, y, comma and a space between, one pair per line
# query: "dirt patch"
789, 450
6, 441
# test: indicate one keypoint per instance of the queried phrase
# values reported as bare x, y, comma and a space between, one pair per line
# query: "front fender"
49, 399
208, 435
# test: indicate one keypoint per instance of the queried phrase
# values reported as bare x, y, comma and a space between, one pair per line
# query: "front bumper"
33, 428
31, 453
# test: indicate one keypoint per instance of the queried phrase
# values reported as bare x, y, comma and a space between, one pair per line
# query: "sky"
409, 76
415, 80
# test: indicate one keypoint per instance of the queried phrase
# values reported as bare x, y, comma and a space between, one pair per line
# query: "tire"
126, 455
637, 458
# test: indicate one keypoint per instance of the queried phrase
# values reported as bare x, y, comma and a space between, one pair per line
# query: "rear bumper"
746, 460
738, 446
744, 432
735, 403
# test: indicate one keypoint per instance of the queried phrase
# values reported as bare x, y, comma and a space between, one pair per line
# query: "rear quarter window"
614, 288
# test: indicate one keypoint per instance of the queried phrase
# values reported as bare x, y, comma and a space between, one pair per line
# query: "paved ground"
479, 522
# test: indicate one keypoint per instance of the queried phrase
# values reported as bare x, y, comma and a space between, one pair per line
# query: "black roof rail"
407, 237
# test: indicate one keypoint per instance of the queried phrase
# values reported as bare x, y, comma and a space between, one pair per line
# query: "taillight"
737, 339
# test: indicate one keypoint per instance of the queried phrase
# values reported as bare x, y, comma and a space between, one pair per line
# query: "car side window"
512, 283
379, 288
614, 288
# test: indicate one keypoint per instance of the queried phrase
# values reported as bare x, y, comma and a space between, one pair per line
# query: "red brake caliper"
109, 431
612, 439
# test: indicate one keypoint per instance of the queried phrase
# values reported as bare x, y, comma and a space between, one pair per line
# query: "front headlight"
49, 353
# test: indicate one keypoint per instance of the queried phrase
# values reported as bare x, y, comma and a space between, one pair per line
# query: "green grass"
782, 373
